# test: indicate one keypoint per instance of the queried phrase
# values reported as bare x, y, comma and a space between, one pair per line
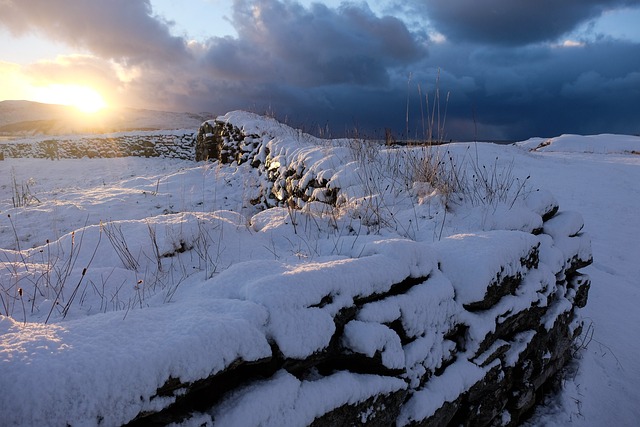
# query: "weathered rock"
222, 141
378, 411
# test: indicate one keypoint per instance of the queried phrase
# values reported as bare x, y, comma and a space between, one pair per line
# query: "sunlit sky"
512, 69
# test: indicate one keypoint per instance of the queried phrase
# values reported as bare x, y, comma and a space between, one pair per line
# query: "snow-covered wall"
383, 319
470, 332
168, 143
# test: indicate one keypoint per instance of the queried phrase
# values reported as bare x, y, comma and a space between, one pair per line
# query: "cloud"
347, 68
86, 70
298, 61
547, 90
13, 85
124, 30
312, 46
509, 22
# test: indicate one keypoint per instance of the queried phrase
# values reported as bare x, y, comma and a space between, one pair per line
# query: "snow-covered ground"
599, 176
22, 118
134, 245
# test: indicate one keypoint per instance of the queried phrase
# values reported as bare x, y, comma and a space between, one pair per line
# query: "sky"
496, 69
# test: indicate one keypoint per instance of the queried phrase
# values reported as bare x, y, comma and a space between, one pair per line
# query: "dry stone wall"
170, 144
452, 347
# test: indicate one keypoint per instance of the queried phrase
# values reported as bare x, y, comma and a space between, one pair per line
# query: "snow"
472, 261
368, 338
596, 144
446, 388
284, 397
81, 367
564, 224
119, 274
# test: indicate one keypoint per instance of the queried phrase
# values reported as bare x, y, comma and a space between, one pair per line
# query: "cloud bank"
512, 23
510, 68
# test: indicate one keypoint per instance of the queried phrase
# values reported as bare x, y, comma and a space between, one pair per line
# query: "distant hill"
25, 118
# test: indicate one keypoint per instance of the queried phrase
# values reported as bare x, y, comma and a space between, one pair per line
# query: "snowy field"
599, 176
134, 243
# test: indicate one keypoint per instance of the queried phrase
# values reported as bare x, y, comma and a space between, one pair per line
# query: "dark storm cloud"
120, 29
543, 90
316, 46
349, 69
313, 64
512, 22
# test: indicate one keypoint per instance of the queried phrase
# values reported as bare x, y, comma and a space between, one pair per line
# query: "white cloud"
571, 43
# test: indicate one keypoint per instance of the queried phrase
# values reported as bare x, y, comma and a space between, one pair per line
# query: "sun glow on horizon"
84, 98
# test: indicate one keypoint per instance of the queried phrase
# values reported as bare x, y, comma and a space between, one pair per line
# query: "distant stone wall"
169, 144
483, 352
286, 184
218, 140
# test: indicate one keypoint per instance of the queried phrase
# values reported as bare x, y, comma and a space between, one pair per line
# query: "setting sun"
84, 98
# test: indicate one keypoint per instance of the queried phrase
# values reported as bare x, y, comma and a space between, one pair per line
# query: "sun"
84, 98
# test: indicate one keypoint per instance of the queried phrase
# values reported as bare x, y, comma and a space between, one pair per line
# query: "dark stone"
487, 399
498, 289
442, 417
506, 329
377, 411
503, 286
553, 210
203, 394
581, 284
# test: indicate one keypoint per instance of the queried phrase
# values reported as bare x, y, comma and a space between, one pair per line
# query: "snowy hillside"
26, 118
111, 268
